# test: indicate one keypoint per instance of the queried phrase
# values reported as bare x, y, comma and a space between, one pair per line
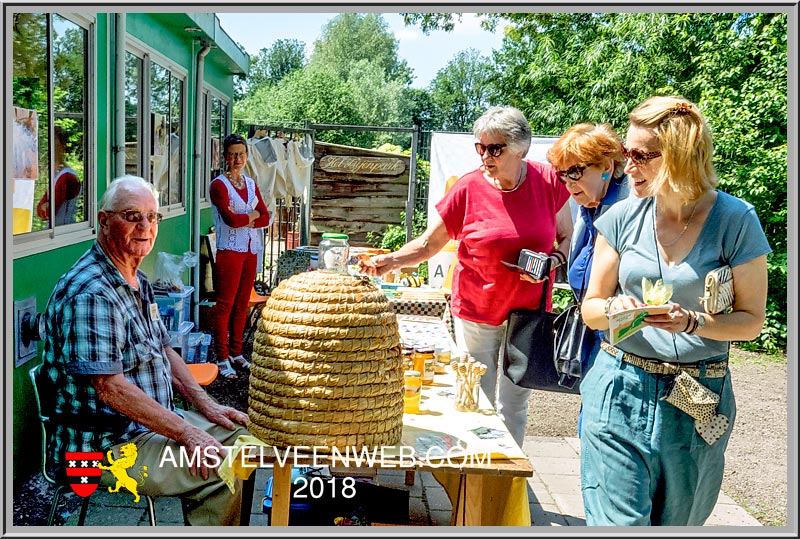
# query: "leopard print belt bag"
690, 396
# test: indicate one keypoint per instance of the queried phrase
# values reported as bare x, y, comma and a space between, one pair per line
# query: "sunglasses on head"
135, 216
639, 157
494, 149
573, 173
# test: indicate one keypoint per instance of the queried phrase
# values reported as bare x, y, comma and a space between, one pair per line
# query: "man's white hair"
125, 183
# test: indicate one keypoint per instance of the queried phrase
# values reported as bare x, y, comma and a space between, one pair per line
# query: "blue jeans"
591, 345
642, 463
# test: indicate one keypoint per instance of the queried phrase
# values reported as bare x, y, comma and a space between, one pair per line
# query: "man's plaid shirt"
96, 323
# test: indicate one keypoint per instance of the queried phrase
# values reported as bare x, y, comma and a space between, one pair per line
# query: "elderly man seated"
112, 372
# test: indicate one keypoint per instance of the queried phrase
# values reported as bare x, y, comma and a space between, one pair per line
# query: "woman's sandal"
241, 362
226, 370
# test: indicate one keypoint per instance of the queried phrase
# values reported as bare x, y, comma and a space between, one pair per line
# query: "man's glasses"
639, 157
573, 173
135, 216
494, 149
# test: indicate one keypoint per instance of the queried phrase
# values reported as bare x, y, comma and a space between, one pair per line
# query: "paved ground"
554, 495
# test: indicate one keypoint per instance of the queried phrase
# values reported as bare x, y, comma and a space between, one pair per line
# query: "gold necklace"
516, 185
685, 227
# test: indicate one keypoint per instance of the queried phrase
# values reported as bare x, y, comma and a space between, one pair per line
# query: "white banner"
452, 156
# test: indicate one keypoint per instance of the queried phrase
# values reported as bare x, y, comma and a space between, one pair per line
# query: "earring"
605, 176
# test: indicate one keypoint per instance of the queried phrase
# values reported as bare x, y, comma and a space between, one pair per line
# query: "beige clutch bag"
718, 294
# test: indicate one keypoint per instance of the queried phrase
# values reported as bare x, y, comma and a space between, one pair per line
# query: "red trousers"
234, 275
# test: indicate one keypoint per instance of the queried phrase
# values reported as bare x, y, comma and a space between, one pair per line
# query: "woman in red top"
67, 186
238, 211
506, 205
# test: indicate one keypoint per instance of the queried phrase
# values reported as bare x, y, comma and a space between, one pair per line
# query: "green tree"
30, 61
350, 37
311, 93
377, 99
274, 63
418, 108
354, 77
460, 90
69, 66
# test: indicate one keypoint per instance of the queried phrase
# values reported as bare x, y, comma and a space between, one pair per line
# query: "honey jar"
430, 370
424, 356
442, 354
408, 357
412, 392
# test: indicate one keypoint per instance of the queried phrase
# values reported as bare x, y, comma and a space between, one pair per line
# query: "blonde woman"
644, 461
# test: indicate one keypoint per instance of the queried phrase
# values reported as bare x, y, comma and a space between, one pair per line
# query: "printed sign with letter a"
83, 471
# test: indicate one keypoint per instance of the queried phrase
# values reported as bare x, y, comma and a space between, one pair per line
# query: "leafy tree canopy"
350, 37
461, 89
275, 62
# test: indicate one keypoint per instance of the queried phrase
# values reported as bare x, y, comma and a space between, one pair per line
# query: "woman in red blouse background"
239, 211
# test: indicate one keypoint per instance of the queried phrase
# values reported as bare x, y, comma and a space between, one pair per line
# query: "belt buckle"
671, 368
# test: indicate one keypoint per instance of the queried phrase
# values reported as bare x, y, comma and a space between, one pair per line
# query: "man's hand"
224, 416
205, 445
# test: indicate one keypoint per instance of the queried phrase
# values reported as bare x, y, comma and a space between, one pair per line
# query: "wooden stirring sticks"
468, 378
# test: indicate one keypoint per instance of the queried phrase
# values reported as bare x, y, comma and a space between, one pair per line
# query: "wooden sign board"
384, 166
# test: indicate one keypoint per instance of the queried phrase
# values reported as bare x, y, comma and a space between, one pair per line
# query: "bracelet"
607, 306
688, 320
695, 323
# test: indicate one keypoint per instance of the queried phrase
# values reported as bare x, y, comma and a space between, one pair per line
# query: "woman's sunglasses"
494, 149
134, 216
639, 157
573, 173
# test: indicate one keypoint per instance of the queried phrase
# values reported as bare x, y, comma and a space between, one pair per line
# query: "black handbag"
569, 334
528, 349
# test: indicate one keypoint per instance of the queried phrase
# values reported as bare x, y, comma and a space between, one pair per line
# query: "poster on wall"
25, 168
452, 156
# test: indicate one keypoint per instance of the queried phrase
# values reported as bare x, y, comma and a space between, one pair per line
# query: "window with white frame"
53, 180
216, 112
155, 116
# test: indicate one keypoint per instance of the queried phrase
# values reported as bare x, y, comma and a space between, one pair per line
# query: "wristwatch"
701, 321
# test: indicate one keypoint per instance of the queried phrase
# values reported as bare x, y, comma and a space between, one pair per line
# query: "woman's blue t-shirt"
731, 235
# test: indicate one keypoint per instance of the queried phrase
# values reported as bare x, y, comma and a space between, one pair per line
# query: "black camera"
532, 263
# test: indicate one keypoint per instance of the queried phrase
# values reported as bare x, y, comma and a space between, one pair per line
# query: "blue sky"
425, 54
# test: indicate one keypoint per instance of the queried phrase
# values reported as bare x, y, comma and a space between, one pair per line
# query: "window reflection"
218, 123
70, 56
216, 130
133, 78
175, 169
166, 106
49, 143
30, 154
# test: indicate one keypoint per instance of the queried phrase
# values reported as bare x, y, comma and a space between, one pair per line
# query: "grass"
739, 357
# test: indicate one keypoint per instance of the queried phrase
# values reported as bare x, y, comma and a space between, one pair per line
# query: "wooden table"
471, 482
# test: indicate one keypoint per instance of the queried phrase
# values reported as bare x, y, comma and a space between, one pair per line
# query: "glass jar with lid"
334, 251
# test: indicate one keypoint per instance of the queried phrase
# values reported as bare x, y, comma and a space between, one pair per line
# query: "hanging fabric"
280, 167
298, 169
263, 162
